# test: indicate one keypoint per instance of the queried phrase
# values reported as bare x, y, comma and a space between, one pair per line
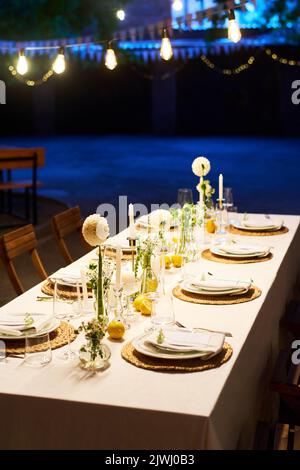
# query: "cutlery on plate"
226, 333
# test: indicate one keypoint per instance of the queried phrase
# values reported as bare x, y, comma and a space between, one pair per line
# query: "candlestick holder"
221, 217
221, 203
132, 244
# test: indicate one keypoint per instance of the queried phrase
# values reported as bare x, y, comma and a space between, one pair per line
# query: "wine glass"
131, 285
185, 196
67, 306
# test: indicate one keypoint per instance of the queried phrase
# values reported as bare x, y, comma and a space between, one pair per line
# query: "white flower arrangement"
95, 230
201, 166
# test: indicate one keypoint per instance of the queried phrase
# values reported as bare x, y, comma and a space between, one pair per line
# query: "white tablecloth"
62, 407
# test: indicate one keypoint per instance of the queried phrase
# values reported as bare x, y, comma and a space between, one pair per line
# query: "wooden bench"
16, 159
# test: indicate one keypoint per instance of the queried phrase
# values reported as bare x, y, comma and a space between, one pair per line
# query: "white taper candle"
132, 232
220, 187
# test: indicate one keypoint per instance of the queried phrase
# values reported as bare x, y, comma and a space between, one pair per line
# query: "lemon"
116, 329
138, 301
177, 261
146, 307
210, 226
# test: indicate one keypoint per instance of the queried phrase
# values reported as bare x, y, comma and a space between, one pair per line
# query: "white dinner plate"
197, 290
217, 251
54, 323
261, 228
214, 284
151, 351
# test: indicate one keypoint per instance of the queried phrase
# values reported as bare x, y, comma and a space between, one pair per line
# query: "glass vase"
94, 359
149, 281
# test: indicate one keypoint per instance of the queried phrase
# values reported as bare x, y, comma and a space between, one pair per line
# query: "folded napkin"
155, 219
115, 244
239, 249
264, 223
68, 274
182, 340
220, 284
16, 324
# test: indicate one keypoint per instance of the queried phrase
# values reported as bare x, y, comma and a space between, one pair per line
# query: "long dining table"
61, 406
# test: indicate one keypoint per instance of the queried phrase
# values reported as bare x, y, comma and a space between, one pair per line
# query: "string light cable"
29, 82
229, 71
282, 60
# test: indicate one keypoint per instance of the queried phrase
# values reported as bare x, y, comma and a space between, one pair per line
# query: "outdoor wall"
195, 101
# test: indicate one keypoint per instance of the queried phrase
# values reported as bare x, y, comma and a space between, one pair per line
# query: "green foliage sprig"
94, 333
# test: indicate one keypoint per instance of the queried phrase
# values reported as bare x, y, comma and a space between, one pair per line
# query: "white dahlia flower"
201, 166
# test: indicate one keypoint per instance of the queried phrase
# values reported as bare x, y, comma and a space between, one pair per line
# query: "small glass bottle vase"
94, 356
149, 281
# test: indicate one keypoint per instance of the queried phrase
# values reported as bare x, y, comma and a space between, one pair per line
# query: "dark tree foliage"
287, 12
49, 19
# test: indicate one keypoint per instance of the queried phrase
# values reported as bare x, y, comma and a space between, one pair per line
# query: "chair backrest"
16, 243
286, 381
64, 224
11, 159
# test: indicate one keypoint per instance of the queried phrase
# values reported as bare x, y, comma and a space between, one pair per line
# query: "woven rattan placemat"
58, 338
132, 356
253, 293
257, 233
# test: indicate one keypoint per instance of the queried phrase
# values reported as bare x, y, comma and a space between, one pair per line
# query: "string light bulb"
121, 15
22, 65
166, 51
234, 32
110, 58
59, 65
177, 5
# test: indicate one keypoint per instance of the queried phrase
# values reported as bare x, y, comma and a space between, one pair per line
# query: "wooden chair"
16, 243
291, 319
286, 381
65, 224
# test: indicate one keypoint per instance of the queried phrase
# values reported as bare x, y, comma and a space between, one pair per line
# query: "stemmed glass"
67, 306
131, 286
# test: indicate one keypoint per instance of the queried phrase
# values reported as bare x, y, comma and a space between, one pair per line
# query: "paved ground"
263, 172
